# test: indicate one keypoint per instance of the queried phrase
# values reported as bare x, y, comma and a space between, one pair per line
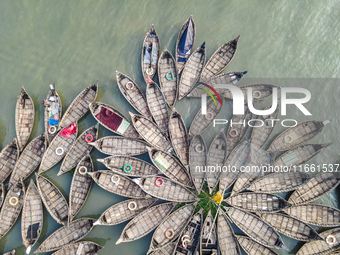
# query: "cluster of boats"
180, 226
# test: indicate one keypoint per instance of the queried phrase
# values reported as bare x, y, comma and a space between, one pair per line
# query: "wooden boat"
11, 208
185, 42
113, 120
216, 157
165, 189
315, 214
53, 200
201, 122
255, 228
120, 146
257, 202
191, 72
117, 184
79, 106
32, 217
2, 193
220, 59
80, 186
12, 252
208, 240
79, 149
291, 227
243, 181
315, 188
151, 133
133, 94
124, 211
129, 166
168, 77
164, 250
150, 53
29, 160
145, 222
157, 105
8, 157
80, 248
297, 136
65, 235
58, 147
52, 113
24, 118
197, 159
179, 136
330, 243
253, 248
171, 226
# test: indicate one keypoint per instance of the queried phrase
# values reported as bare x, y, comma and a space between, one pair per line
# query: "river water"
75, 43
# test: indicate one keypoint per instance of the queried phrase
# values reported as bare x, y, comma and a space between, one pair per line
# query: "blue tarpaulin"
185, 43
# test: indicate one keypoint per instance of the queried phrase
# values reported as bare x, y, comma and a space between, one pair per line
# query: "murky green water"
75, 43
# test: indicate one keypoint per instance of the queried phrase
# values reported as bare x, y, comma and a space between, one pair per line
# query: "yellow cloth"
218, 198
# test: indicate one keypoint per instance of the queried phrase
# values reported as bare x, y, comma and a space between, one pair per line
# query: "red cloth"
109, 118
149, 80
68, 131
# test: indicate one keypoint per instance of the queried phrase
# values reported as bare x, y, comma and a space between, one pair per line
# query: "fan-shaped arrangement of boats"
253, 248
8, 157
80, 248
197, 160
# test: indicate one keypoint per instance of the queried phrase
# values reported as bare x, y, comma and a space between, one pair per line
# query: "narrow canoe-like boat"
208, 240
145, 222
220, 59
65, 235
132, 93
165, 189
157, 105
29, 160
80, 186
151, 133
129, 166
164, 250
253, 248
2, 193
59, 146
150, 53
316, 187
124, 211
179, 136
32, 217
202, 122
197, 160
315, 214
259, 91
12, 252
80, 248
257, 202
52, 113
120, 146
24, 118
11, 208
216, 157
117, 184
291, 227
191, 72
79, 149
79, 106
226, 237
112, 119
296, 136
243, 181
171, 226
8, 158
255, 228
185, 42
168, 77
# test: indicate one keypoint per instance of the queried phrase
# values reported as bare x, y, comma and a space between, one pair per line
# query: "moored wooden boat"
80, 248
12, 252
8, 157
253, 248
2, 193
32, 217
59, 146
168, 77
79, 149
165, 189
164, 250
208, 240
243, 181
296, 136
65, 235
117, 184
24, 118
259, 91
145, 222
191, 72
79, 106
53, 200
197, 160
220, 59
112, 119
